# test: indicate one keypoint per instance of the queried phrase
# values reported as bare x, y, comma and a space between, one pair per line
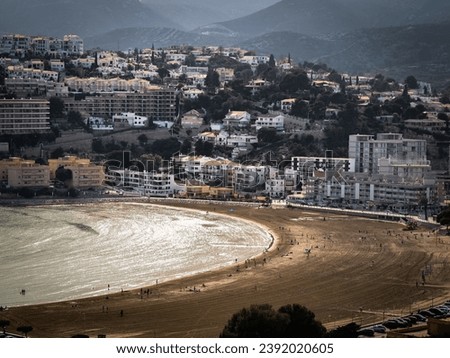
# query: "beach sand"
357, 270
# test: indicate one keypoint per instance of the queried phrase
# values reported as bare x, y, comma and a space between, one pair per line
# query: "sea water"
62, 252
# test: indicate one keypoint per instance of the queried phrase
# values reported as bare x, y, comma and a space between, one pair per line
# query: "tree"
3, 75
268, 135
26, 193
163, 73
258, 321
444, 218
143, 139
300, 109
212, 80
165, 147
203, 148
57, 153
97, 145
186, 146
262, 321
56, 108
24, 330
64, 176
75, 119
294, 82
302, 322
411, 82
4, 323
271, 61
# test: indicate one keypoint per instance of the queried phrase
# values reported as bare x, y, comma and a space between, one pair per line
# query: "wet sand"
357, 270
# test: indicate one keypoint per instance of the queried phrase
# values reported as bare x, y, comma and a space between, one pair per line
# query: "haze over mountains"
395, 36
319, 17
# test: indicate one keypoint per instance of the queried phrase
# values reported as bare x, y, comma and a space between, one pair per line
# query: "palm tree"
25, 330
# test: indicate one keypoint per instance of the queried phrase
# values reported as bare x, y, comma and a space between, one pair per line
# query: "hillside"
323, 17
309, 17
144, 37
194, 13
422, 50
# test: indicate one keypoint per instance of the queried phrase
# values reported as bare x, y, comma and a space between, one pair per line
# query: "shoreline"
269, 240
342, 274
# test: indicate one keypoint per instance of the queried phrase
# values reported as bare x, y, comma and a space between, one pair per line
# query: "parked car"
411, 319
427, 313
437, 311
391, 324
379, 328
419, 317
368, 332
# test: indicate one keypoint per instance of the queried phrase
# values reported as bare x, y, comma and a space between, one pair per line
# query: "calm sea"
63, 252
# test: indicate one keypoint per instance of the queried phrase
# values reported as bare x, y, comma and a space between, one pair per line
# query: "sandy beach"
357, 270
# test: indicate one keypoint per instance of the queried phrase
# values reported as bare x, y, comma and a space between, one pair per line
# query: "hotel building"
24, 116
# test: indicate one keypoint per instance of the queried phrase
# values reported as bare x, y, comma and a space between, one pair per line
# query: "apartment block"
158, 104
367, 150
24, 116
84, 173
18, 173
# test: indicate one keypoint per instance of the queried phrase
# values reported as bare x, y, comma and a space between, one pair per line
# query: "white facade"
41, 45
269, 121
131, 118
366, 150
237, 119
18, 71
242, 140
148, 183
286, 104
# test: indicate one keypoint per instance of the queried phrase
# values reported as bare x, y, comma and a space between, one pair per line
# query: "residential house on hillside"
192, 119
270, 121
286, 104
225, 74
237, 119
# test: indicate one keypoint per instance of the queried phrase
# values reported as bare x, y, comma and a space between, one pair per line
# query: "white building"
286, 104
132, 119
237, 119
99, 124
242, 140
366, 150
280, 185
149, 183
270, 121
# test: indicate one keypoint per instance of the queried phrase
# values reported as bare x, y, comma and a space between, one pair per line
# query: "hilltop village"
216, 123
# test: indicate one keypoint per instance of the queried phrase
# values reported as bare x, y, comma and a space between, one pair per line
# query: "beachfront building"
388, 171
149, 183
249, 178
280, 184
18, 173
84, 173
24, 116
367, 150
